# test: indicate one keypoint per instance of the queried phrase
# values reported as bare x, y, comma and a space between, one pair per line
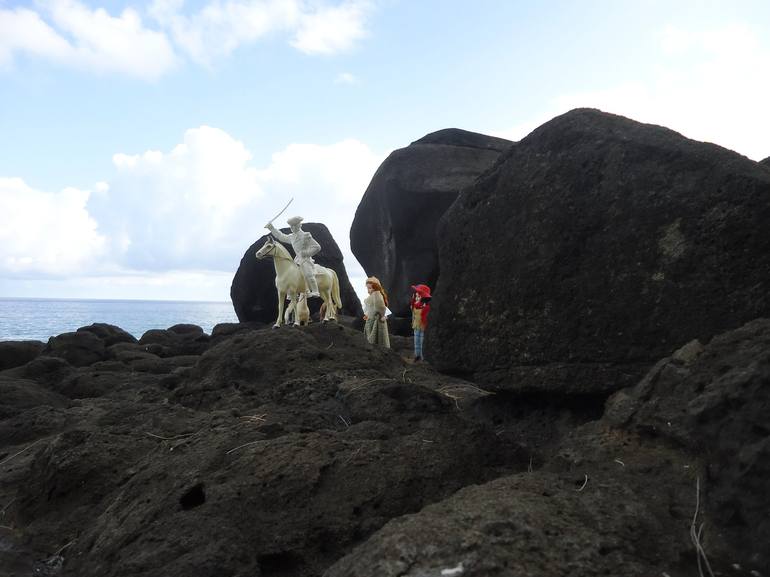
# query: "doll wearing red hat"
420, 308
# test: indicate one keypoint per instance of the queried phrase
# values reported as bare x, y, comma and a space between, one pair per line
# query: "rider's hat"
422, 289
294, 220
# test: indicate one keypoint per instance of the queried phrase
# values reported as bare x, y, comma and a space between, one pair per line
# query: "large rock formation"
273, 452
595, 245
529, 524
713, 401
253, 289
308, 452
394, 231
766, 161
684, 453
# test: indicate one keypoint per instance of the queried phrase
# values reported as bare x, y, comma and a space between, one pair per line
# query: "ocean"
38, 319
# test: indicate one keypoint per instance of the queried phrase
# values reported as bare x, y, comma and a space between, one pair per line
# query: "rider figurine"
305, 247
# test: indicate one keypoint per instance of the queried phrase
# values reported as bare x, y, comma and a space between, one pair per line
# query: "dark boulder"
394, 231
714, 402
253, 289
224, 331
766, 161
183, 339
19, 395
16, 353
110, 334
527, 524
44, 370
79, 349
596, 245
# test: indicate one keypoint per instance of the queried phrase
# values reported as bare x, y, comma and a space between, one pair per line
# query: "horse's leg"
331, 309
329, 306
281, 299
326, 297
288, 313
332, 306
295, 305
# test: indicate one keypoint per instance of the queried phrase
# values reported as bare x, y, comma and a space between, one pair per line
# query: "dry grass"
182, 439
255, 418
461, 391
369, 382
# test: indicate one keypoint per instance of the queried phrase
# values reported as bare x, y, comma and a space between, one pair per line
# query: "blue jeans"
418, 335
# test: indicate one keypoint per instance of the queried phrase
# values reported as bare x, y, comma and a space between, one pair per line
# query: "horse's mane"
280, 250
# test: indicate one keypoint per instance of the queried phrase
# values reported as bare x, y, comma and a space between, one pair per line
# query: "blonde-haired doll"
375, 306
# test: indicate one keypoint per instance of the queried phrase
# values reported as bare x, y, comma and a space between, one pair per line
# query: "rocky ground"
307, 452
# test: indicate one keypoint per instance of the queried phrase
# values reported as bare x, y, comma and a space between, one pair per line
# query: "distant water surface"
38, 319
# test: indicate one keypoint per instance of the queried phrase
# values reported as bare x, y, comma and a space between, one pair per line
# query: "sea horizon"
39, 318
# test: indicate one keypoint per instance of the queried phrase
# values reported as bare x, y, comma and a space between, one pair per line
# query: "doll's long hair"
376, 285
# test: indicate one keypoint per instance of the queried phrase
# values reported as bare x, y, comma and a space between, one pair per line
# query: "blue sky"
144, 145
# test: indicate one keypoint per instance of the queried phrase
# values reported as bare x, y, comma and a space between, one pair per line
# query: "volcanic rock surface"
254, 452
594, 246
394, 231
253, 288
15, 353
766, 161
686, 449
307, 452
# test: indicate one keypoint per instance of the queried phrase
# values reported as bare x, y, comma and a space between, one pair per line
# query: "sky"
144, 145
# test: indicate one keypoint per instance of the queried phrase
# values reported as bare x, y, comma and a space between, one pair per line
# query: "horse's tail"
336, 289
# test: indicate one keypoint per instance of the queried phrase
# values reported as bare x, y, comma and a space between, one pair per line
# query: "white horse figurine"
290, 282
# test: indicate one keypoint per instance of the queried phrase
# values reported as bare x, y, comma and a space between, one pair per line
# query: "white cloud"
218, 27
199, 206
331, 29
185, 209
175, 224
44, 233
707, 85
327, 183
74, 35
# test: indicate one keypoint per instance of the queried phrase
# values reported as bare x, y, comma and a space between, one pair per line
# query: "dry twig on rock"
350, 458
63, 548
11, 502
244, 445
695, 535
4, 461
182, 436
583, 486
